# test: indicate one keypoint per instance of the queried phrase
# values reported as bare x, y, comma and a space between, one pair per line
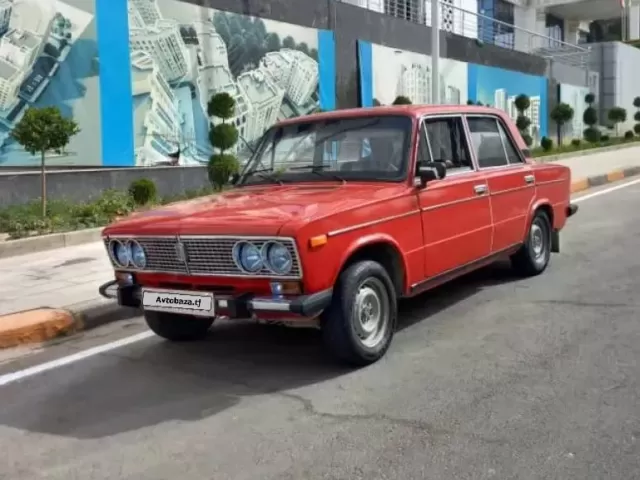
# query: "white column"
525, 18
634, 22
571, 31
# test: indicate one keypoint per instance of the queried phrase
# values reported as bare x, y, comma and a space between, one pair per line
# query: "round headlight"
278, 258
247, 257
138, 256
119, 253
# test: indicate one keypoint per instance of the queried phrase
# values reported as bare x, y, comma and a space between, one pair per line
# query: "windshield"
361, 148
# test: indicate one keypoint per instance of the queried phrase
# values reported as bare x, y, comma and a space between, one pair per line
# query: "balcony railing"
486, 30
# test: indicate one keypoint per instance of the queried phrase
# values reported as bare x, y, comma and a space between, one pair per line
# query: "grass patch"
20, 221
584, 145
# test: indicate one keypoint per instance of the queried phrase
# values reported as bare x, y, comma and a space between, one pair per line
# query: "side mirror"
430, 171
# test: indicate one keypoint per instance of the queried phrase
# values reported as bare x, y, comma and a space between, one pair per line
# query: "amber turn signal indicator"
315, 242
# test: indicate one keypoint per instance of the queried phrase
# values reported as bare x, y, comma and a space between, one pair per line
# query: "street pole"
435, 52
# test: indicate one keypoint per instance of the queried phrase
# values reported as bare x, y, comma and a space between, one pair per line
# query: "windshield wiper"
262, 173
319, 170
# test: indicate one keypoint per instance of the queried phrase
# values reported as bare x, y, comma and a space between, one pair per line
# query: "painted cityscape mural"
399, 72
499, 88
386, 73
182, 55
49, 56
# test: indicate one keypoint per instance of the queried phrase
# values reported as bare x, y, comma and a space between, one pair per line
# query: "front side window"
448, 144
362, 148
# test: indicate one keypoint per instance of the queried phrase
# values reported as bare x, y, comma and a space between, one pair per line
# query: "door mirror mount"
429, 171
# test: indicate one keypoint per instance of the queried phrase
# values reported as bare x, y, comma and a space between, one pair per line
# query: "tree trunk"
43, 186
559, 126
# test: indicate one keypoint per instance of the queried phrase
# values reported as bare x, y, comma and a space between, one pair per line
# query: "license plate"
185, 303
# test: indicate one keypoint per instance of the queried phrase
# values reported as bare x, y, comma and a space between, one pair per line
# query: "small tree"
617, 115
222, 137
561, 114
402, 100
590, 118
523, 122
636, 116
43, 130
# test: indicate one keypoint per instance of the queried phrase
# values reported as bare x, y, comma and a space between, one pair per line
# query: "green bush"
220, 169
223, 136
628, 135
636, 128
605, 138
528, 140
402, 100
591, 134
546, 144
576, 142
143, 191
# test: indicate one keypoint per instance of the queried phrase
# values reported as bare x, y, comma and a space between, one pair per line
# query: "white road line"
606, 190
91, 352
76, 357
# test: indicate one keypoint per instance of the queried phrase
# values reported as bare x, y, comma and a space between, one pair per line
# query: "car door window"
512, 152
487, 142
448, 143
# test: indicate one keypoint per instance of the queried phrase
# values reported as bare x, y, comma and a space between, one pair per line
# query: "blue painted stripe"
116, 105
472, 82
327, 69
365, 64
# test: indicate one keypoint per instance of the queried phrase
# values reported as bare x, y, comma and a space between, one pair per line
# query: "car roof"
414, 111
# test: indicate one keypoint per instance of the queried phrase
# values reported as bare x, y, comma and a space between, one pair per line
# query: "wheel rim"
371, 312
538, 241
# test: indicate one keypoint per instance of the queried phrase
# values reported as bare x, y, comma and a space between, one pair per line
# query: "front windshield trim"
269, 169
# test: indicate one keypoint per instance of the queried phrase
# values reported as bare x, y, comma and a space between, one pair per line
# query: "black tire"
367, 283
533, 257
178, 328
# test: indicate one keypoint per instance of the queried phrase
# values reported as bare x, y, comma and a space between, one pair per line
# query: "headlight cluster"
127, 253
272, 255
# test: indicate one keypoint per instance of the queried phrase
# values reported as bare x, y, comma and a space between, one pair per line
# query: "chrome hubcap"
371, 312
537, 241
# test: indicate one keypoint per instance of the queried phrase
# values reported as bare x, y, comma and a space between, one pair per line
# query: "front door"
456, 211
510, 180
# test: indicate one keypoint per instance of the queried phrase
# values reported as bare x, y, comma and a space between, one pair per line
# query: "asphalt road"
489, 377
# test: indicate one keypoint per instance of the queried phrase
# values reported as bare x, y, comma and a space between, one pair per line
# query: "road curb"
22, 246
598, 180
44, 324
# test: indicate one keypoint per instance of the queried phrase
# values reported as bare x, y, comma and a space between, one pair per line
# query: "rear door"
510, 179
456, 213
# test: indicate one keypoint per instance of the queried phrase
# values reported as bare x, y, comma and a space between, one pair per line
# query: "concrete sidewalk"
47, 284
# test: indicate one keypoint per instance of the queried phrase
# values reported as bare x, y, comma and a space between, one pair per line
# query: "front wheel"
178, 328
533, 257
359, 324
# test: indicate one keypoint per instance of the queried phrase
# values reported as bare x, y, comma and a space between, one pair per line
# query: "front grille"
205, 255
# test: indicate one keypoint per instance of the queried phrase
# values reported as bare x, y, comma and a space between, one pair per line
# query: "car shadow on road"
153, 382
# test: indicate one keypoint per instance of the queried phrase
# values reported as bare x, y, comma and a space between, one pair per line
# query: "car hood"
262, 210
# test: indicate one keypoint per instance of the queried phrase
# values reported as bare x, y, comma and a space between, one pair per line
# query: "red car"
339, 215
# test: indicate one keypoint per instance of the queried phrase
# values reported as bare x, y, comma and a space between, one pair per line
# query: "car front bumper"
235, 306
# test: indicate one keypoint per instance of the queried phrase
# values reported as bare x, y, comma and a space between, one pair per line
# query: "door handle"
480, 189
529, 179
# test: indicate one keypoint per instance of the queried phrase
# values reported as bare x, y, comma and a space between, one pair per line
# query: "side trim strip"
458, 271
341, 231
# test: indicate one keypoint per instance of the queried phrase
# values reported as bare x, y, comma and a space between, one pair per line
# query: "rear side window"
487, 142
511, 150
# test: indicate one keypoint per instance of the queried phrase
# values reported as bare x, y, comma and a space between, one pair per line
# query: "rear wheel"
359, 325
533, 257
178, 328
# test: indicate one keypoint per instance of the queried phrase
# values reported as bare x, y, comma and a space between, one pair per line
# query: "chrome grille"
206, 255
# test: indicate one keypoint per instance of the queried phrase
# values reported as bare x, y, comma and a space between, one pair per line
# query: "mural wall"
498, 88
388, 72
181, 55
574, 97
49, 56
